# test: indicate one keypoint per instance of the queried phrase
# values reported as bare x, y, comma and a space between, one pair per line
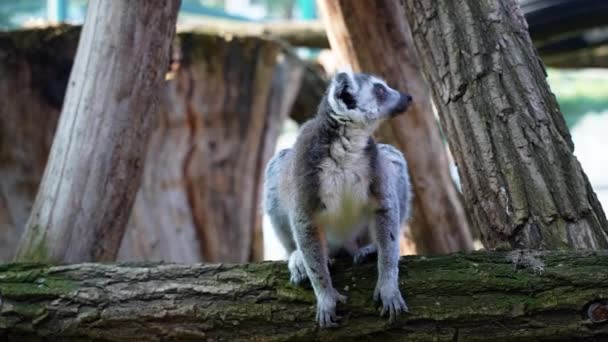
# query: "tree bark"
96, 160
477, 297
522, 184
373, 37
223, 112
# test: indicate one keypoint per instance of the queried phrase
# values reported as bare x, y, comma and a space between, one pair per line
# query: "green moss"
34, 248
31, 280
40, 288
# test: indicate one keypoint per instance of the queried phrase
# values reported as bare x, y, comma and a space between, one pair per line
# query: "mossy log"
473, 297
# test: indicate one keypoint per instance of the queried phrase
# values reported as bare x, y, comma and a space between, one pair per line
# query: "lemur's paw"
297, 268
364, 254
392, 301
326, 308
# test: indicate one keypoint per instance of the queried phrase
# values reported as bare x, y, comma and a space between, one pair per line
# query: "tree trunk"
223, 112
373, 37
96, 160
476, 297
521, 182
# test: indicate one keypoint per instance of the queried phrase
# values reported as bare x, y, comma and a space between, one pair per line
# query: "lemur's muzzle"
402, 105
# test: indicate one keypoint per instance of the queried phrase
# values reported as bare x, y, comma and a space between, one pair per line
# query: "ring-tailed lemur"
336, 187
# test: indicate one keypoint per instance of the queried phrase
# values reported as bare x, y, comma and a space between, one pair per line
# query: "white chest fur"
344, 189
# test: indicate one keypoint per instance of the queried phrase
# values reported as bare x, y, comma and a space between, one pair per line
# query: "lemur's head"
364, 99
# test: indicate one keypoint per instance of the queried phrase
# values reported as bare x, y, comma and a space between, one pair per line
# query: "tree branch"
312, 34
480, 296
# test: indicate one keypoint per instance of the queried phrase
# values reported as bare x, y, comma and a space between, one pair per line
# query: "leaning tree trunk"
521, 182
222, 115
373, 37
96, 160
475, 297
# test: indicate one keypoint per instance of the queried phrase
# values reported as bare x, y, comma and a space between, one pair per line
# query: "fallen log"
303, 33
474, 297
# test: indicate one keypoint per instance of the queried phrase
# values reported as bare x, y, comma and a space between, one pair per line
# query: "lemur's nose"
403, 104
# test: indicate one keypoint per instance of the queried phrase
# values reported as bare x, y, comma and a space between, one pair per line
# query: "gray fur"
337, 188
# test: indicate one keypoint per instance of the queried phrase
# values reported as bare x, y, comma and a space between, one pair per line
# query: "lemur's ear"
342, 91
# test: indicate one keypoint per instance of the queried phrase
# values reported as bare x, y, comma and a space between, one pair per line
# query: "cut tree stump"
222, 113
473, 297
35, 65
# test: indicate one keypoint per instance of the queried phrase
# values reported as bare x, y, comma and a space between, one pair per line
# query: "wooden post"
96, 160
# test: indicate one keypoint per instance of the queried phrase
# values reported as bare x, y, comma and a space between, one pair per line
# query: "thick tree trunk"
477, 297
521, 182
96, 160
223, 112
373, 37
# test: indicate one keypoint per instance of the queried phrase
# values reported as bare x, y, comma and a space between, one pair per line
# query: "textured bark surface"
477, 297
96, 160
522, 184
223, 111
373, 37
35, 67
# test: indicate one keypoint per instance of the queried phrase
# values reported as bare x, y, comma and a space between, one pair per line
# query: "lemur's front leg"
386, 232
311, 243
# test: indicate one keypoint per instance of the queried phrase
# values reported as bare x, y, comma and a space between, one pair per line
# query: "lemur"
337, 188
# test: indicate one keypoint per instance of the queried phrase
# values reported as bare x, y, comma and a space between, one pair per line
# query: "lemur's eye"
380, 92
